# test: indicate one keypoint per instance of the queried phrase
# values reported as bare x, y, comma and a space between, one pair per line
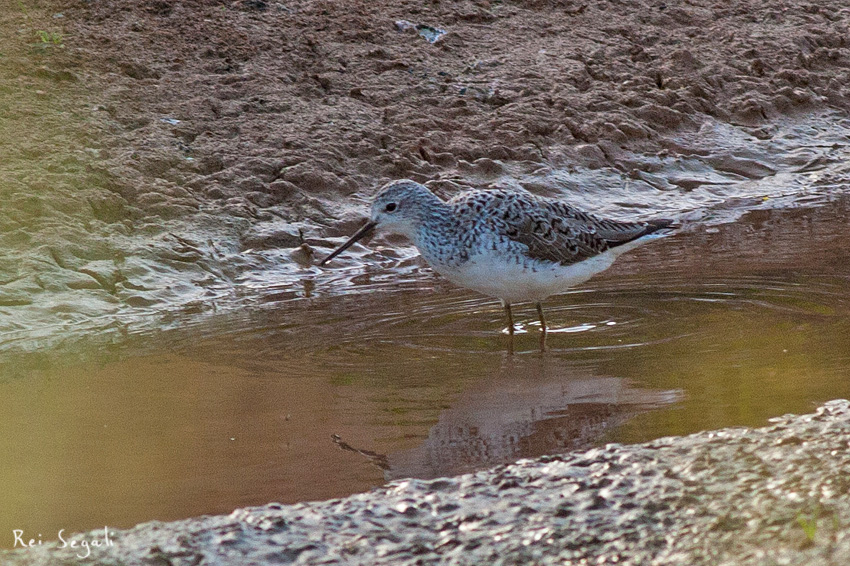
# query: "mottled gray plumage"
550, 229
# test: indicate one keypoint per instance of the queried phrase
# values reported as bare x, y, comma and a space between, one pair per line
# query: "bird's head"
399, 207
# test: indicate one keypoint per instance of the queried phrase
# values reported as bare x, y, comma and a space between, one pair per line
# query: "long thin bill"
364, 231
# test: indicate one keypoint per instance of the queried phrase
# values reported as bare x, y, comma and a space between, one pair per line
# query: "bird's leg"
507, 306
542, 318
542, 327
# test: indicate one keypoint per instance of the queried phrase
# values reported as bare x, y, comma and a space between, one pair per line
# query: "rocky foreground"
775, 495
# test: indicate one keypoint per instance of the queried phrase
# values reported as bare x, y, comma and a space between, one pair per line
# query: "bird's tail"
661, 226
638, 231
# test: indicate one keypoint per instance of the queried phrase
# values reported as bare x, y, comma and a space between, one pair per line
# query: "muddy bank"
150, 145
774, 495
268, 102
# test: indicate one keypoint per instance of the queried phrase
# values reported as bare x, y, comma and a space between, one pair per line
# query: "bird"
512, 245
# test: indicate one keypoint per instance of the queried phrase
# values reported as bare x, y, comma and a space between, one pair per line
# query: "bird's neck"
436, 232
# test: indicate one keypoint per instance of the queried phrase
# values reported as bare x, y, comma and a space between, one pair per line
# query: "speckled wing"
555, 232
552, 230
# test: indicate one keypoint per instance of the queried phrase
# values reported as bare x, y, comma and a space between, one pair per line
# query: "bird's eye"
391, 207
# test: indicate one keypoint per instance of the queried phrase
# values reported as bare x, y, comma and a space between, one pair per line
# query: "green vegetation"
50, 38
809, 526
808, 521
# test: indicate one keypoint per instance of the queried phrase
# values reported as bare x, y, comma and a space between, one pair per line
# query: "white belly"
498, 274
516, 283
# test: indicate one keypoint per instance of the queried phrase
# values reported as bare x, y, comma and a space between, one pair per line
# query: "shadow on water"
718, 326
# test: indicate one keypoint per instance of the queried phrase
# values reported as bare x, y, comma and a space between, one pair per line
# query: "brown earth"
282, 102
149, 143
286, 102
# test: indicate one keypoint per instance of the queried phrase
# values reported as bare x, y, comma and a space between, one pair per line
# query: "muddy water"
716, 326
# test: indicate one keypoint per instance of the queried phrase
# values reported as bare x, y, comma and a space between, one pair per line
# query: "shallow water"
715, 326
